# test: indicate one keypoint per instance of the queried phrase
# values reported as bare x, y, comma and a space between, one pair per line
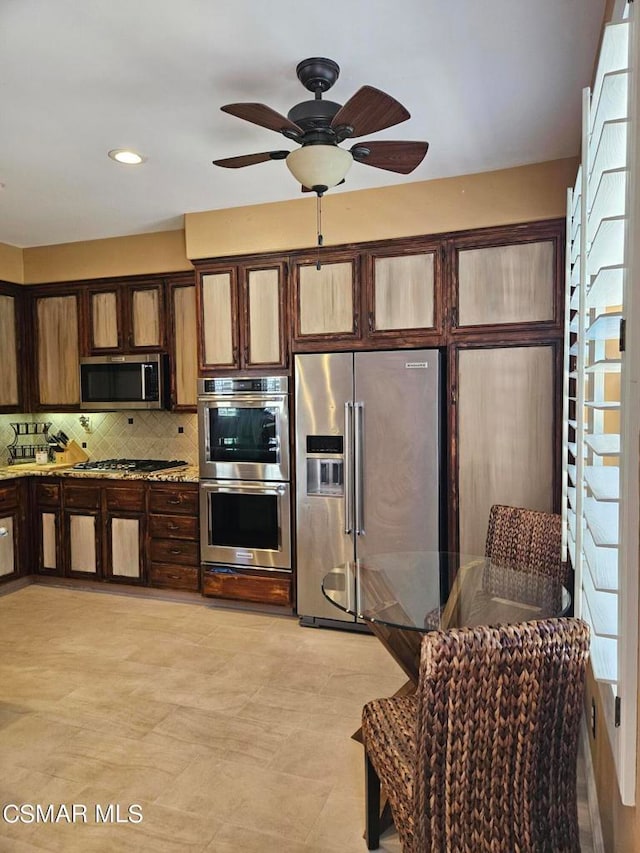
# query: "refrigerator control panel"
325, 444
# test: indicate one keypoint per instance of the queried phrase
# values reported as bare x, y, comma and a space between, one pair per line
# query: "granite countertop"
189, 474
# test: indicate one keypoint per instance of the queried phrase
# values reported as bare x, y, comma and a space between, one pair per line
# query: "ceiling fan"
320, 126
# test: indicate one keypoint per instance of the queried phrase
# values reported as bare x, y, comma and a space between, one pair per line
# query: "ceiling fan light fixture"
322, 166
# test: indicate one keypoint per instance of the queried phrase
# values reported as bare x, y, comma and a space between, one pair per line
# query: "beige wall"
620, 824
503, 197
507, 196
11, 264
158, 252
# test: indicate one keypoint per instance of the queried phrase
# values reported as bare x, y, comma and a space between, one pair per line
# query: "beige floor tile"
226, 736
316, 712
323, 756
235, 839
231, 728
129, 717
165, 651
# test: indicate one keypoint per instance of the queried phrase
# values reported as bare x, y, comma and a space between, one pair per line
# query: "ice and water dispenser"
325, 465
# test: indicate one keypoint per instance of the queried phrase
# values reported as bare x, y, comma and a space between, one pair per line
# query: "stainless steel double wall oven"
245, 502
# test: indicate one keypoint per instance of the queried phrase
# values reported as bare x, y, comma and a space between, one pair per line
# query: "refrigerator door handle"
359, 467
348, 485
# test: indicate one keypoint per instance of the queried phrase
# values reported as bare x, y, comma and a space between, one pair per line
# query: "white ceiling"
489, 83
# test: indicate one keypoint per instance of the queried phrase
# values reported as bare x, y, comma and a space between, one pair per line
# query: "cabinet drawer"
47, 494
267, 588
173, 577
8, 495
131, 498
175, 551
84, 497
177, 499
174, 527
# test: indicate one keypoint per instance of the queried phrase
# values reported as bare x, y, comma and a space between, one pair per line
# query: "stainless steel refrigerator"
367, 464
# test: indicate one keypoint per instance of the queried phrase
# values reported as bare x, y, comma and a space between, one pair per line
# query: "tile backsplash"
151, 435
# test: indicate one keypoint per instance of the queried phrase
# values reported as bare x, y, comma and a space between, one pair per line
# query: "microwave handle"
143, 382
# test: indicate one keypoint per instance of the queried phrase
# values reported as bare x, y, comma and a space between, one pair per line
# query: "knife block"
72, 453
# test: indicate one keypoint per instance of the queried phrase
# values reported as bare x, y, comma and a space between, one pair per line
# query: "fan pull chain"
319, 226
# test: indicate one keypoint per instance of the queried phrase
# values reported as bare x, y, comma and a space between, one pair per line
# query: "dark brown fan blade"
368, 111
250, 159
264, 116
402, 157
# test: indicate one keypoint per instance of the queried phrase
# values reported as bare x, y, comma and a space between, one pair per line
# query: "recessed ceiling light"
125, 155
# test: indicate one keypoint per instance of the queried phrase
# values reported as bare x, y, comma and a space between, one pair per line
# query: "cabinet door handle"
371, 321
356, 321
246, 355
236, 355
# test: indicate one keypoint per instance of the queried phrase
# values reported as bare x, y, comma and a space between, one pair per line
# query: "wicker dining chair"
527, 540
483, 757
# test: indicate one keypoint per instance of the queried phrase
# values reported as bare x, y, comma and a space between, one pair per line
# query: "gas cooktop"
142, 465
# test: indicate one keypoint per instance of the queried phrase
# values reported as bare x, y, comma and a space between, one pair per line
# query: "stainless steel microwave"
109, 382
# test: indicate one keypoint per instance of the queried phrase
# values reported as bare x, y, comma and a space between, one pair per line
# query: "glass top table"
402, 595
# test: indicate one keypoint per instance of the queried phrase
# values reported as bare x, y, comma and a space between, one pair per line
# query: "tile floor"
230, 729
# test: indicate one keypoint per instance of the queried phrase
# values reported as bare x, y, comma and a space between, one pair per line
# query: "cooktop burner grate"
144, 465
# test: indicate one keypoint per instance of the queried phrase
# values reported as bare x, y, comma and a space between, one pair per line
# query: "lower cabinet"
124, 531
90, 529
174, 550
262, 587
47, 512
82, 540
12, 540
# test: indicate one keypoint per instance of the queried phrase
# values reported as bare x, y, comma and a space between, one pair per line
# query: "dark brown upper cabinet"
125, 317
56, 322
506, 279
12, 367
242, 316
403, 294
381, 296
326, 302
182, 334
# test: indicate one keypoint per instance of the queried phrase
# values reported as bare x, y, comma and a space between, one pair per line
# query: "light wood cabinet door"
184, 346
146, 315
125, 318
105, 321
58, 379
48, 536
402, 294
326, 303
83, 543
124, 548
506, 423
262, 331
9, 392
219, 320
510, 284
8, 540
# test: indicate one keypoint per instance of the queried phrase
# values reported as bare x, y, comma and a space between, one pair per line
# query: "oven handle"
235, 486
348, 486
232, 400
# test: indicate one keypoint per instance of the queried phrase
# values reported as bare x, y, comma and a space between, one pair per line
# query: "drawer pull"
173, 527
174, 577
175, 550
174, 500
